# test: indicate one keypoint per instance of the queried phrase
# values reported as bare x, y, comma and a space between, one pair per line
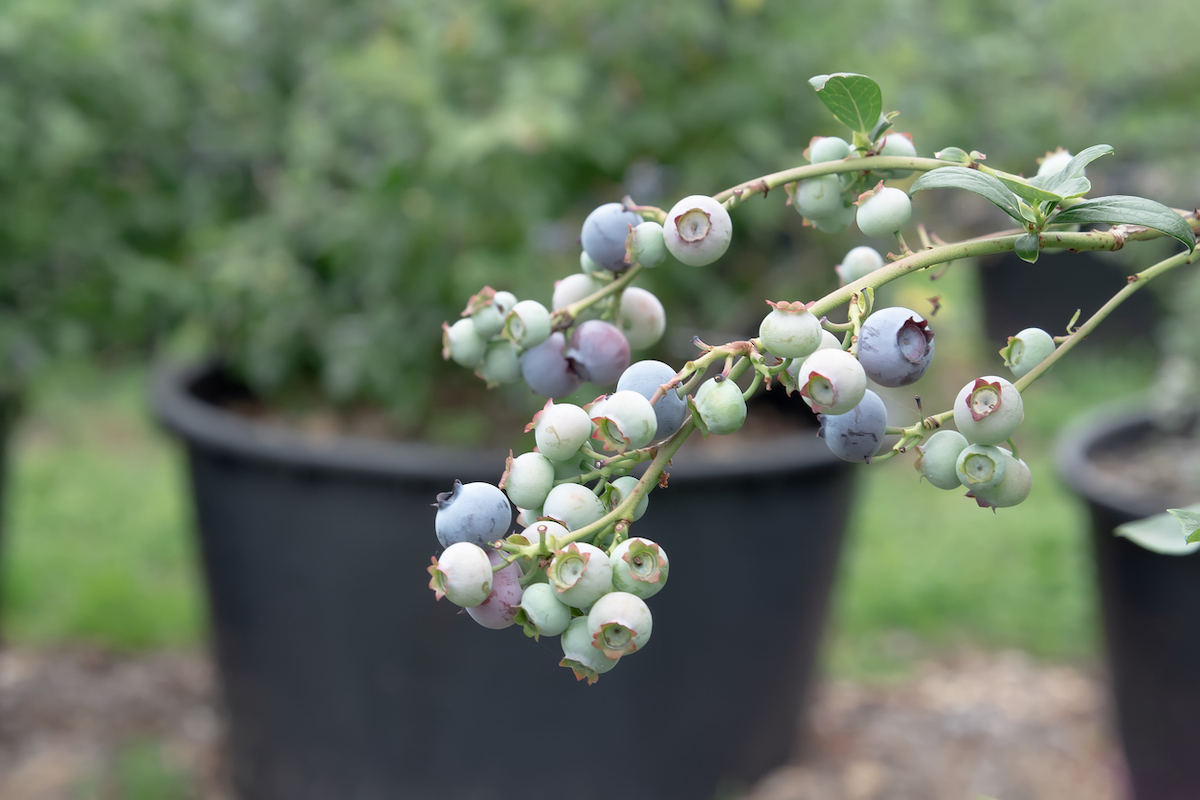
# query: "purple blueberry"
604, 233
598, 352
858, 434
895, 346
499, 610
478, 513
546, 369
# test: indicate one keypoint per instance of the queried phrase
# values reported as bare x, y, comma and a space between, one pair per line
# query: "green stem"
736, 194
563, 318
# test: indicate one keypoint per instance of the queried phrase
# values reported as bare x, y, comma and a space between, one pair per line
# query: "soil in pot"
343, 678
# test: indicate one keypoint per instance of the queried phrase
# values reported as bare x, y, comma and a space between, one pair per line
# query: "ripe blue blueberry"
640, 567
546, 370
988, 410
831, 381
644, 377
1026, 350
858, 434
478, 513
604, 233
937, 458
463, 575
895, 346
721, 405
883, 211
598, 352
697, 230
620, 624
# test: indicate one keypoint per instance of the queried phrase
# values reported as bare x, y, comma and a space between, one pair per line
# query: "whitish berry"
644, 377
581, 574
897, 144
573, 288
1054, 162
988, 410
501, 364
937, 458
1012, 490
640, 567
697, 230
883, 211
598, 352
560, 429
721, 405
484, 312
858, 263
818, 197
462, 343
573, 467
604, 233
544, 531
499, 610
1026, 350
828, 342
790, 330
620, 624
528, 324
527, 480
621, 489
836, 222
858, 434
895, 346
646, 245
827, 148
641, 318
474, 512
504, 302
546, 370
574, 505
624, 420
980, 466
542, 613
463, 575
832, 381
585, 661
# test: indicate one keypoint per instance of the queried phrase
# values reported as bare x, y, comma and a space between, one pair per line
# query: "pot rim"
212, 428
1093, 431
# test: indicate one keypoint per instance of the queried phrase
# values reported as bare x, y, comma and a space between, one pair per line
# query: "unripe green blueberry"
721, 405
573, 466
574, 505
937, 458
897, 144
858, 263
504, 302
462, 343
818, 197
541, 612
572, 289
487, 315
827, 148
501, 364
1012, 490
560, 429
1026, 350
980, 466
589, 267
836, 222
463, 574
697, 230
624, 420
832, 381
528, 324
585, 661
621, 489
988, 410
641, 318
581, 574
640, 567
620, 624
646, 245
828, 342
527, 479
790, 330
883, 211
1053, 162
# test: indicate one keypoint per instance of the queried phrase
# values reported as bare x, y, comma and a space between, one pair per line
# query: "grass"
98, 544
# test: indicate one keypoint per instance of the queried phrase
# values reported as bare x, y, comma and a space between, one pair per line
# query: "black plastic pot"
343, 678
1150, 606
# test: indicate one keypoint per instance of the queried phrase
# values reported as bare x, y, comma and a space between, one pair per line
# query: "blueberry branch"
564, 317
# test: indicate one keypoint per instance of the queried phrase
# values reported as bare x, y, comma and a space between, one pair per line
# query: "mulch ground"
80, 723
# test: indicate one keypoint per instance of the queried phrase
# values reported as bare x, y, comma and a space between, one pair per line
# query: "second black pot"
343, 678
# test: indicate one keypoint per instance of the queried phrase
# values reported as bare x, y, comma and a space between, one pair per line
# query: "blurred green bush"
310, 188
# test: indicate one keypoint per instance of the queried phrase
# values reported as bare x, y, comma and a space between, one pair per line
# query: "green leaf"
1121, 209
854, 99
1189, 518
1029, 192
1069, 179
986, 186
1161, 532
1027, 247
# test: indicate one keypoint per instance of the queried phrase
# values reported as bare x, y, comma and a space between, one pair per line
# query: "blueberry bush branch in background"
573, 569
